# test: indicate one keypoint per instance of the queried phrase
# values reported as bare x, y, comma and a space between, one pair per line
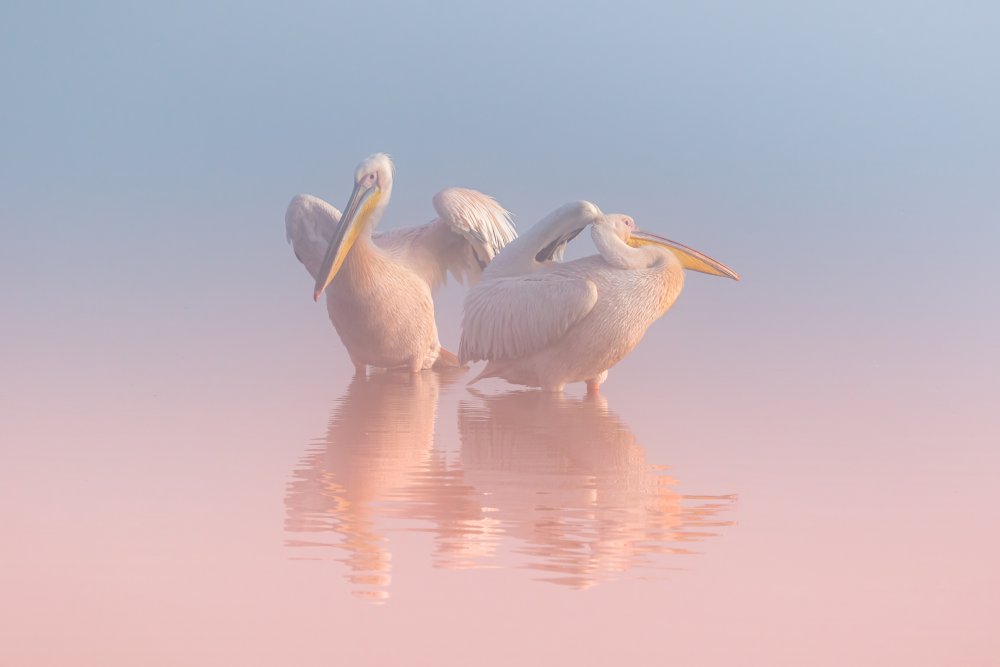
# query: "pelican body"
541, 322
379, 287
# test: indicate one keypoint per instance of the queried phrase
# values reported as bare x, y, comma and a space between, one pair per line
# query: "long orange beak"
359, 208
689, 257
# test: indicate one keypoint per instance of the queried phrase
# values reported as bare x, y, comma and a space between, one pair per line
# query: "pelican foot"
448, 359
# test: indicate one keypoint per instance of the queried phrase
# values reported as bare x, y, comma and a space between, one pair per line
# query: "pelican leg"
360, 367
594, 383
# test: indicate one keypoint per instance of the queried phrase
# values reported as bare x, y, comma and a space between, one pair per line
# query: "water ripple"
554, 485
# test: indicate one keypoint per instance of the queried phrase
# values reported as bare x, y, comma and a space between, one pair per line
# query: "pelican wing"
477, 218
309, 226
510, 318
470, 230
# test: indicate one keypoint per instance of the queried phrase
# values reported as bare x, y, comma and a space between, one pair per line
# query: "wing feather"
482, 226
477, 218
309, 226
510, 318
471, 229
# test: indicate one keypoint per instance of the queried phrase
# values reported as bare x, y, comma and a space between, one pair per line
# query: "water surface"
551, 484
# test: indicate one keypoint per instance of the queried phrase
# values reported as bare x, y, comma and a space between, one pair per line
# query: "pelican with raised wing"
379, 286
542, 322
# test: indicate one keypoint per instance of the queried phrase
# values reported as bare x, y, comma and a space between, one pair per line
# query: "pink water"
212, 499
786, 471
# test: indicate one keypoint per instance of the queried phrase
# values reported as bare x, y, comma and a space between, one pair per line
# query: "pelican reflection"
572, 489
555, 484
379, 440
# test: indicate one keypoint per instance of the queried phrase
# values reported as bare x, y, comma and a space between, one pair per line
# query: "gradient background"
164, 368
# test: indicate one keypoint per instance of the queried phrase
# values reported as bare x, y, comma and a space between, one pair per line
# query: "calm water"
234, 507
553, 485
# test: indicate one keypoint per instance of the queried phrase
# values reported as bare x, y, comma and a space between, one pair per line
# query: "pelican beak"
689, 257
359, 208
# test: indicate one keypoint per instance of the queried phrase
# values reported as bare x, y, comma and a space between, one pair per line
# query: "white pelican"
542, 323
379, 295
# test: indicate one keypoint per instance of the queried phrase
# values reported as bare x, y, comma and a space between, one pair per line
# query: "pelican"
378, 286
543, 323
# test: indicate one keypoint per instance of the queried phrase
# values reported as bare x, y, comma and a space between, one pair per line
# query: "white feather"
309, 225
470, 231
544, 323
380, 301
510, 318
478, 218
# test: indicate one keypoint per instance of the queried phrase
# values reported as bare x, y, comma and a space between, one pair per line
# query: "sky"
847, 147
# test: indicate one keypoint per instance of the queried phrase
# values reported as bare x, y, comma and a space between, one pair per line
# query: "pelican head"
624, 227
372, 185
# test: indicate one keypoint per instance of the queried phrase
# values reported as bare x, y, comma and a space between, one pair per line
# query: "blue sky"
171, 98
834, 150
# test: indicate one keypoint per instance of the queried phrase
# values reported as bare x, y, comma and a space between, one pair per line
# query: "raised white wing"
309, 226
477, 218
470, 230
510, 318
